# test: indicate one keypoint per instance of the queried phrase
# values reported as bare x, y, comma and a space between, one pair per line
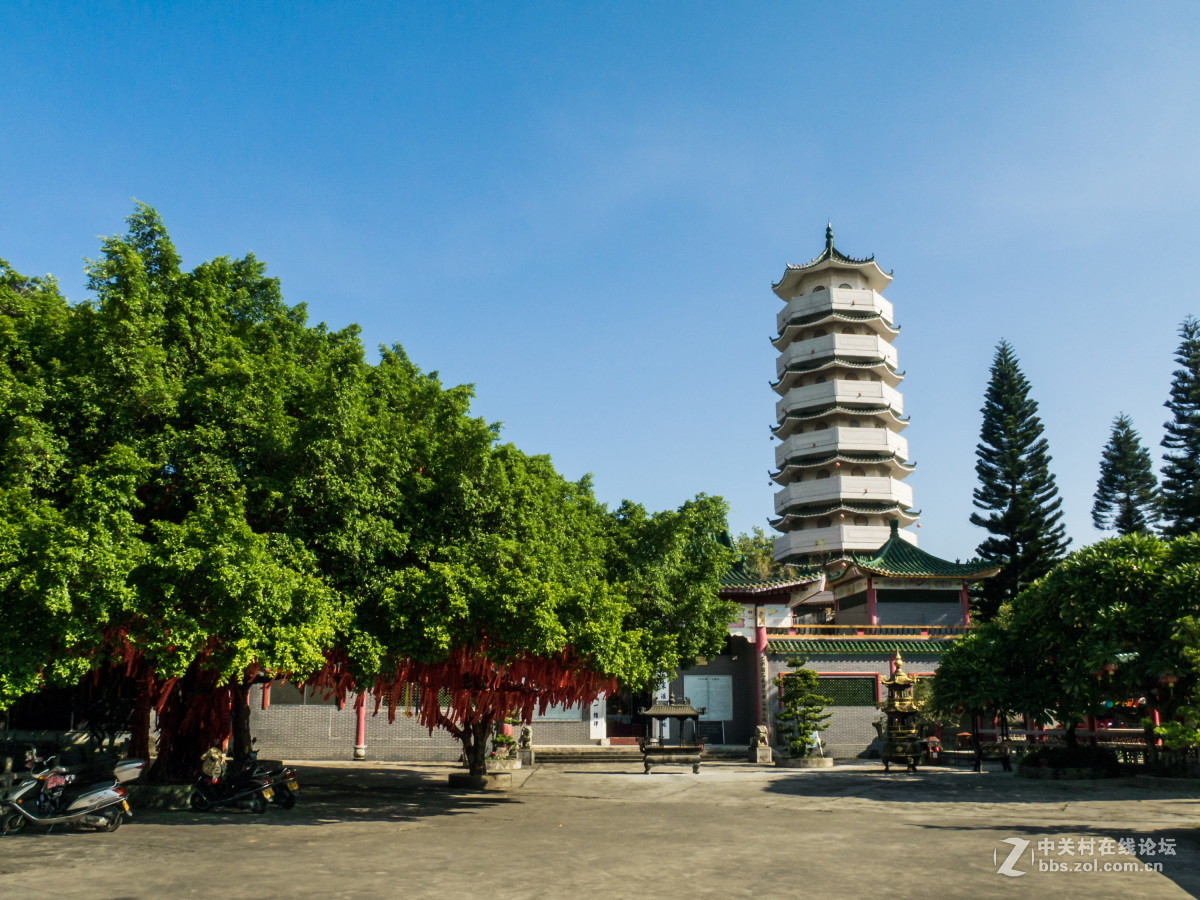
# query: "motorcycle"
283, 780
286, 786
245, 788
48, 795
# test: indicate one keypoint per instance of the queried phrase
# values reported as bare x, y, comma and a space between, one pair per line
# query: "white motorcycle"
49, 796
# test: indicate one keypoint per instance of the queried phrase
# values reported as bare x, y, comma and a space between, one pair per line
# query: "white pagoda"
842, 460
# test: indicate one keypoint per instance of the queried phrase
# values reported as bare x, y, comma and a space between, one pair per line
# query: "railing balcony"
859, 538
839, 392
861, 488
850, 346
869, 631
843, 300
846, 440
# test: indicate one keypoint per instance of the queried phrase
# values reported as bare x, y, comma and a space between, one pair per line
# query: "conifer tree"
1016, 490
803, 713
1126, 498
1181, 473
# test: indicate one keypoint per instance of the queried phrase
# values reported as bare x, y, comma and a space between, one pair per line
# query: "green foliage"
1181, 471
758, 553
1126, 498
1016, 489
1106, 624
802, 715
194, 477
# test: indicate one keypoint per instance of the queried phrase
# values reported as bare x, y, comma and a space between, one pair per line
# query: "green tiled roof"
807, 462
900, 559
845, 362
737, 579
832, 252
819, 318
807, 646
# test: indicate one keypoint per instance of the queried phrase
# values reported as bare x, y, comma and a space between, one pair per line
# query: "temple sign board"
713, 693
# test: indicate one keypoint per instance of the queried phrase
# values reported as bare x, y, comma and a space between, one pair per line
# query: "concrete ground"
604, 829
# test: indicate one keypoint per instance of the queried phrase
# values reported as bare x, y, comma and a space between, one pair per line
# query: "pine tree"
803, 713
1126, 498
1016, 490
1181, 473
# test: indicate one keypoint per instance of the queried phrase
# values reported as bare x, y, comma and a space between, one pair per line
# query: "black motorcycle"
284, 782
243, 787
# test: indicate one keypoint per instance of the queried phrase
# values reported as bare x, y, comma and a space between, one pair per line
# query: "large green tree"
198, 489
1017, 492
1181, 471
1126, 498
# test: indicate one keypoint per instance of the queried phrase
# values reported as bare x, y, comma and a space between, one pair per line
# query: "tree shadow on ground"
933, 785
336, 795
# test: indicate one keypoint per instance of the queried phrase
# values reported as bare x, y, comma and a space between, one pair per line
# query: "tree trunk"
139, 727
239, 701
1070, 736
475, 745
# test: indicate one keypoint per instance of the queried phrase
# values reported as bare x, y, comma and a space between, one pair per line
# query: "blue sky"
580, 208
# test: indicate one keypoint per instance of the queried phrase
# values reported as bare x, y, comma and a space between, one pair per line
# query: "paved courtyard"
395, 830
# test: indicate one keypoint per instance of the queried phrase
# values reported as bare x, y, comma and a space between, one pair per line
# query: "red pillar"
872, 612
964, 598
760, 662
266, 695
360, 730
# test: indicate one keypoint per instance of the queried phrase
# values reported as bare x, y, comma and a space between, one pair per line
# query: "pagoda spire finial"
828, 236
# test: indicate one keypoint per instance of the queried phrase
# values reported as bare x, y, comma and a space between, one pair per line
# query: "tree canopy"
1110, 623
198, 486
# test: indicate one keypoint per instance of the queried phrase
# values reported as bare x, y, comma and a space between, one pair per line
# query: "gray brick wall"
850, 732
307, 727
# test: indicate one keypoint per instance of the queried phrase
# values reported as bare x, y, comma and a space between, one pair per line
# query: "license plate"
293, 785
268, 792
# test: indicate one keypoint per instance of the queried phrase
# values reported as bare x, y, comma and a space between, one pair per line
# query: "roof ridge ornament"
828, 237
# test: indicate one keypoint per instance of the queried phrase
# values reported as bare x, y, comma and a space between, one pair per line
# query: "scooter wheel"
199, 802
284, 798
11, 822
258, 804
114, 821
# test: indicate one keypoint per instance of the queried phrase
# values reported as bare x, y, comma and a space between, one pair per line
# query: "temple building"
856, 590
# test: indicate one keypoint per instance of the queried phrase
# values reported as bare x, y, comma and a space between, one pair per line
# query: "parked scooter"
244, 788
48, 796
283, 780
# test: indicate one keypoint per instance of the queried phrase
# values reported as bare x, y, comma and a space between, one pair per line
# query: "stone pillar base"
762, 756
360, 751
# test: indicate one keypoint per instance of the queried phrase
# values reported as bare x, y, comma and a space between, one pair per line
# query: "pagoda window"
821, 426
852, 376
824, 473
824, 522
820, 379
819, 287
845, 285
860, 520
858, 470
849, 329
820, 332
854, 423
